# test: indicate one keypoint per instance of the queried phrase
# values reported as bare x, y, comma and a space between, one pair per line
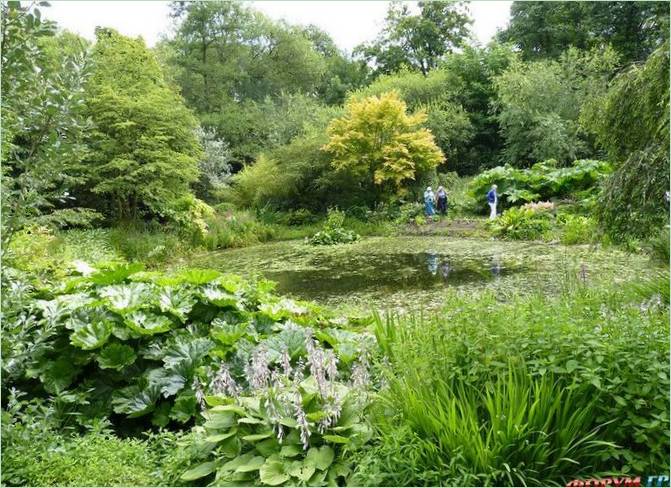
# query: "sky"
348, 22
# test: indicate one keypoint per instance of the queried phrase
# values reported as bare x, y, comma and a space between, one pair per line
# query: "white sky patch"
349, 22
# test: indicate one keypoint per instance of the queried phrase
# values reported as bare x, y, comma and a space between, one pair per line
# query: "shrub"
143, 344
467, 385
410, 211
149, 243
333, 231
36, 454
576, 229
522, 223
235, 229
300, 216
542, 181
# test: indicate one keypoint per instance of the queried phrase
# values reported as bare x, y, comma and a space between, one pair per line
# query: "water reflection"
445, 270
435, 263
496, 265
432, 263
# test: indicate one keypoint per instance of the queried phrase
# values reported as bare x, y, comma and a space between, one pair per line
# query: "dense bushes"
507, 394
333, 231
631, 121
235, 229
542, 181
138, 343
522, 223
37, 454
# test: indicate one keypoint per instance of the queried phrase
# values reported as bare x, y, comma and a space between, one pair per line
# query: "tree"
342, 74
381, 145
538, 105
227, 58
631, 122
546, 29
214, 165
144, 151
42, 123
475, 69
417, 41
436, 94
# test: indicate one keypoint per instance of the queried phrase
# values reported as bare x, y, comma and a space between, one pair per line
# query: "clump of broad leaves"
291, 424
153, 346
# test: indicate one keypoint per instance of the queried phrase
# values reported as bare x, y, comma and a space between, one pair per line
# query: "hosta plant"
289, 424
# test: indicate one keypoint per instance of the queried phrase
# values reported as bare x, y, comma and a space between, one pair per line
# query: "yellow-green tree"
382, 145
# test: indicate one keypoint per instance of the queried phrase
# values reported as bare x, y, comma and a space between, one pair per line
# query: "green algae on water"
412, 273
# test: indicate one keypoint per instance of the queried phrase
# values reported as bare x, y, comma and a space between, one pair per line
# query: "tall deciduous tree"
144, 151
434, 93
381, 145
342, 73
546, 29
42, 122
227, 57
631, 121
538, 105
417, 41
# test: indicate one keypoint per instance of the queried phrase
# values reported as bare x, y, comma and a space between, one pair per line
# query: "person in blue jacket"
429, 200
492, 199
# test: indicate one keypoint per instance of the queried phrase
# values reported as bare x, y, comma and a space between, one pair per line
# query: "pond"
416, 272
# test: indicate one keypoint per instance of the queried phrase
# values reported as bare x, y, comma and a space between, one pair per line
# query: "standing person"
429, 199
492, 199
441, 198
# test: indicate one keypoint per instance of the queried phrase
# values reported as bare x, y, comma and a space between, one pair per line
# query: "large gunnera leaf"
177, 301
116, 356
116, 273
136, 400
197, 276
127, 297
91, 336
146, 323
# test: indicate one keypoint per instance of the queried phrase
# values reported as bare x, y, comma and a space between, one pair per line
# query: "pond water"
417, 272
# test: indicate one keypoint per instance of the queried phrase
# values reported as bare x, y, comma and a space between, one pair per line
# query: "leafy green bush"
576, 229
522, 223
117, 339
467, 385
333, 231
36, 454
410, 211
300, 216
543, 181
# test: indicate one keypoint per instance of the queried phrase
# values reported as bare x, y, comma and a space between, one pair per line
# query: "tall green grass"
536, 391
